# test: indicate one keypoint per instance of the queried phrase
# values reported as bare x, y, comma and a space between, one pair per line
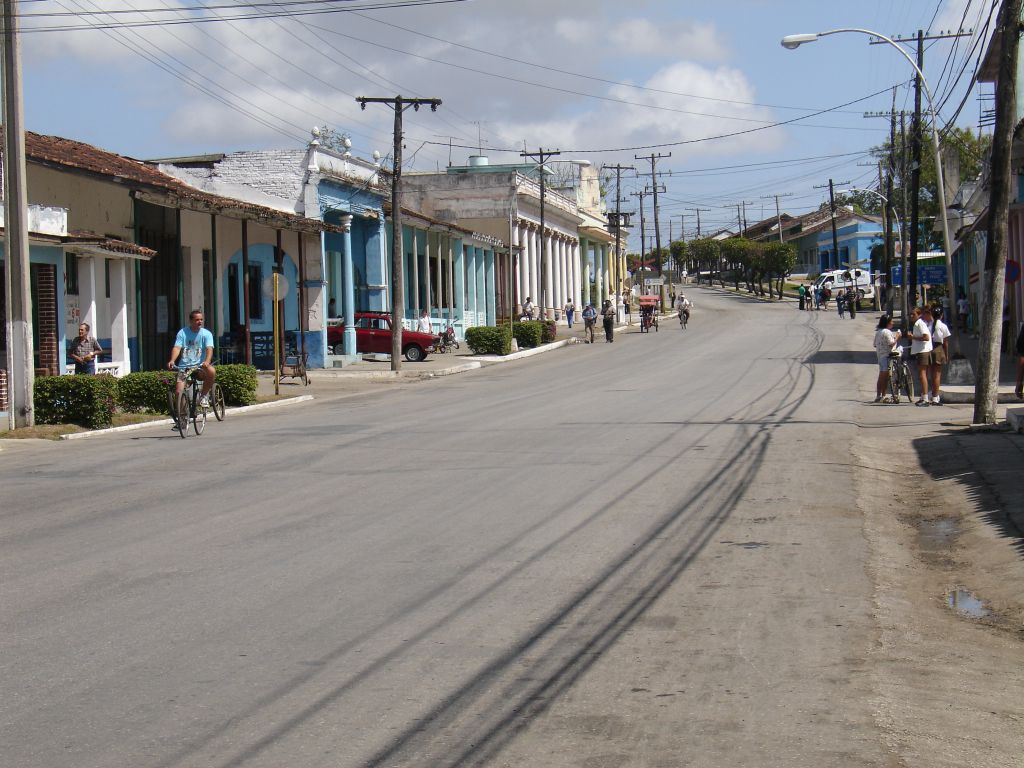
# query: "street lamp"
903, 255
795, 41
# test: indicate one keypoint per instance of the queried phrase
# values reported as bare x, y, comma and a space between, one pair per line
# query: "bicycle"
900, 379
684, 318
188, 405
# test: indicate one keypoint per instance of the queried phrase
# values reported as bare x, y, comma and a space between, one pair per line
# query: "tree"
706, 254
780, 259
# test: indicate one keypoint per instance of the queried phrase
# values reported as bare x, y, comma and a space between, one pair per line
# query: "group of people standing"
929, 347
813, 297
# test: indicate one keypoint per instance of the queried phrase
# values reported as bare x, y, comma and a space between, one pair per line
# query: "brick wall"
45, 276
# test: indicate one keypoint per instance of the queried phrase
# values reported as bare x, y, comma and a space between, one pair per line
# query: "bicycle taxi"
649, 312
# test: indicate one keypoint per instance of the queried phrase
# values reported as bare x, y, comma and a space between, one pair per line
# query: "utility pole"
910, 281
778, 212
399, 104
986, 389
643, 240
698, 212
657, 214
17, 281
541, 156
892, 204
832, 208
618, 218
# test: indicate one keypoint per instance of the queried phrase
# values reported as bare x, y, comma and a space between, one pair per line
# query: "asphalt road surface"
644, 553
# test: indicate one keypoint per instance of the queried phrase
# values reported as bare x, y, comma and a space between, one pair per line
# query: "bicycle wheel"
908, 380
181, 414
894, 381
198, 412
217, 401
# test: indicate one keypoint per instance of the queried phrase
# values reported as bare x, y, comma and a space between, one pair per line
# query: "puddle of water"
966, 603
936, 534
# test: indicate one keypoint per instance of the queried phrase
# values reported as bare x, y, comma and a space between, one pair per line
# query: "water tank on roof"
475, 161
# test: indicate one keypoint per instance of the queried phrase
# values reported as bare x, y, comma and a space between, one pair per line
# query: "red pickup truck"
373, 334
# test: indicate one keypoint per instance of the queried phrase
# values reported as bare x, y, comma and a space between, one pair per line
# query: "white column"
87, 292
577, 289
515, 263
119, 315
534, 266
549, 283
427, 276
557, 243
566, 269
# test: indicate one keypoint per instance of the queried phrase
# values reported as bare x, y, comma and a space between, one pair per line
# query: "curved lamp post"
795, 41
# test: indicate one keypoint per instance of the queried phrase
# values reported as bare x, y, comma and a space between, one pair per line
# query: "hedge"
144, 391
147, 390
548, 331
85, 400
528, 333
489, 340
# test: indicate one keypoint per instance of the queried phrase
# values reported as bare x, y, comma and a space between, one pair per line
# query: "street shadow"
988, 466
478, 717
833, 356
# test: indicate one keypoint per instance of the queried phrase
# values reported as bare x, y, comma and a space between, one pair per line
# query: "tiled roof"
66, 153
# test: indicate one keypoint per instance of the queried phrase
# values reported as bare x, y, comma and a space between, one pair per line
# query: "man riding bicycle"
194, 344
683, 306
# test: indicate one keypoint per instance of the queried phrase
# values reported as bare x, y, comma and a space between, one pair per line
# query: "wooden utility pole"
399, 104
986, 389
542, 156
832, 208
657, 215
778, 211
643, 226
910, 281
17, 281
616, 226
891, 172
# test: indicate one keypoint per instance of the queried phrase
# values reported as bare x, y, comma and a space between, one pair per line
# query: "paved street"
646, 553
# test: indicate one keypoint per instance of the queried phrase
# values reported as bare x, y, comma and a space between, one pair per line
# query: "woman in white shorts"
885, 342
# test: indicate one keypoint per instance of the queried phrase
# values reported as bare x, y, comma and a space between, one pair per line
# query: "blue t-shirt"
193, 346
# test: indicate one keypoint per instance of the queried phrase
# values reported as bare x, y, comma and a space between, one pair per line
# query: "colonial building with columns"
551, 261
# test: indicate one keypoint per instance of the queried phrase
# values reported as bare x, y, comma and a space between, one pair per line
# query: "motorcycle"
447, 341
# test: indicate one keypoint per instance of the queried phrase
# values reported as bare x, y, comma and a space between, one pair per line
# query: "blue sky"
650, 72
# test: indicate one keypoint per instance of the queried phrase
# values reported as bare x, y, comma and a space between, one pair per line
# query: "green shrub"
85, 400
238, 382
489, 340
144, 391
527, 333
548, 331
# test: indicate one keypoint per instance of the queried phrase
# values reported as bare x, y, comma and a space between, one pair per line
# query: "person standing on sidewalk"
921, 348
589, 318
801, 293
625, 306
841, 303
940, 353
851, 302
885, 342
84, 349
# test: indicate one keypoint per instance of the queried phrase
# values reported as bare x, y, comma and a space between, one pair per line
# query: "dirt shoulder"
948, 681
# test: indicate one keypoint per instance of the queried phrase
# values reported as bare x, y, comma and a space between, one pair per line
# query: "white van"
842, 279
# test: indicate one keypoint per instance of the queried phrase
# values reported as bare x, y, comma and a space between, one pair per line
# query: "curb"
1015, 418
168, 422
965, 395
328, 374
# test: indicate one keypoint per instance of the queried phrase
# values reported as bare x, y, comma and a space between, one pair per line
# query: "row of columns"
118, 277
568, 271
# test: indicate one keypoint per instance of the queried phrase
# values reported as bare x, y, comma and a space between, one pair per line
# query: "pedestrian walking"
570, 312
851, 303
626, 307
841, 304
940, 353
817, 298
608, 314
589, 318
963, 310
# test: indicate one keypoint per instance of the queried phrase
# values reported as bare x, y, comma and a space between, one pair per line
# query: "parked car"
373, 334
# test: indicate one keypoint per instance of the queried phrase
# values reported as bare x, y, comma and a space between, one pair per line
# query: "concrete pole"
17, 281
